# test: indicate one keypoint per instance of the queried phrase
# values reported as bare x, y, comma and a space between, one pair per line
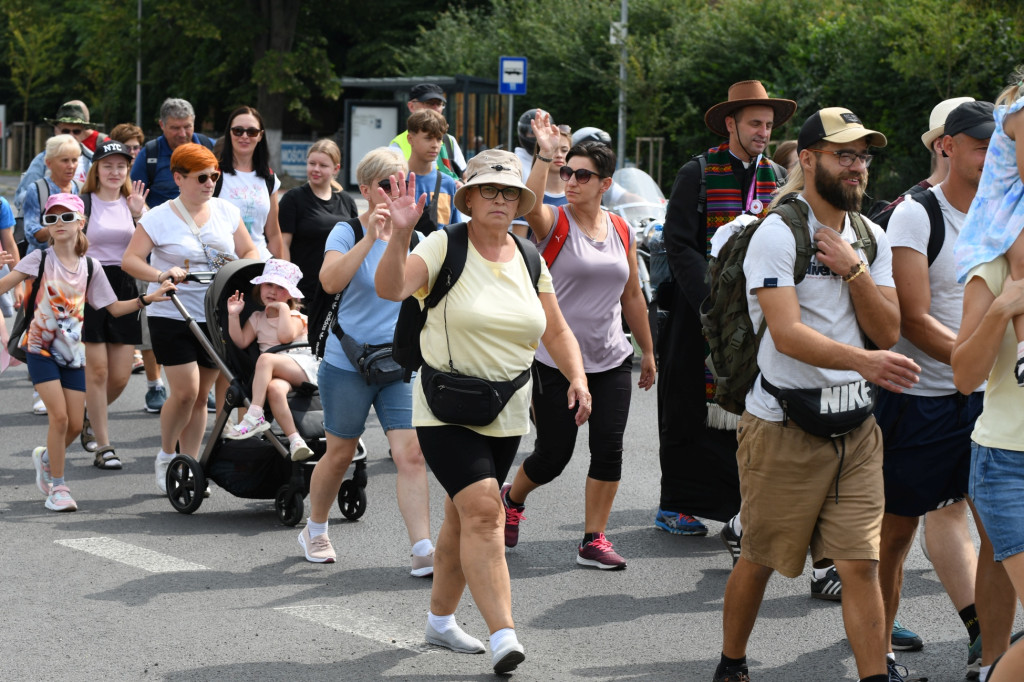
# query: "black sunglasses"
385, 184
52, 218
582, 174
71, 131
203, 177
238, 131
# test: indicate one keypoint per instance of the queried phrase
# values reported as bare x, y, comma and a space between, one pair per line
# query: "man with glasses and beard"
807, 436
697, 437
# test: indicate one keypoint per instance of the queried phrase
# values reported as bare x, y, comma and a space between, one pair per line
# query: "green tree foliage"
35, 66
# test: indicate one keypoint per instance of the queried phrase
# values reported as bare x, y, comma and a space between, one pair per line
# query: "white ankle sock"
423, 548
164, 457
983, 673
737, 526
154, 384
295, 437
499, 637
820, 573
891, 656
316, 528
256, 411
441, 624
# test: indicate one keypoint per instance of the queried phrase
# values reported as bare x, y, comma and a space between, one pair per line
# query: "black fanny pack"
373, 362
467, 400
825, 412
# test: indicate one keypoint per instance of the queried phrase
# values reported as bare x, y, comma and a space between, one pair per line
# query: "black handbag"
829, 412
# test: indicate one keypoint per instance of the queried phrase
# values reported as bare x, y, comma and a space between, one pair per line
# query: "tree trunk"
280, 17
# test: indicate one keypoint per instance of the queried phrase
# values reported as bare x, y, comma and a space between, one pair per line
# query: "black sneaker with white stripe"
829, 587
731, 540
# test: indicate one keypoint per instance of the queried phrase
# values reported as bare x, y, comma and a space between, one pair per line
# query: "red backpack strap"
622, 227
556, 240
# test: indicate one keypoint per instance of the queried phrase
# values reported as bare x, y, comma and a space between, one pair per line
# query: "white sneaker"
299, 451
160, 467
507, 657
38, 407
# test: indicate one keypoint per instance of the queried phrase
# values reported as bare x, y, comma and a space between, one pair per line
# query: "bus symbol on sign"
512, 76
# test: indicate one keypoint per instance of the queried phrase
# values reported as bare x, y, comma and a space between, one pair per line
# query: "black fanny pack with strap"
829, 412
374, 362
467, 400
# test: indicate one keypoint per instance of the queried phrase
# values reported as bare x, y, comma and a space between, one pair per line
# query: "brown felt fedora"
744, 94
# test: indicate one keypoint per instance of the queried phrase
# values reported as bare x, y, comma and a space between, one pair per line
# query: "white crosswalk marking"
361, 625
130, 555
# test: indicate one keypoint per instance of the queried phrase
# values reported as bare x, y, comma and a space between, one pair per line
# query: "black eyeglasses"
385, 184
508, 193
52, 218
203, 177
238, 131
71, 131
846, 158
582, 174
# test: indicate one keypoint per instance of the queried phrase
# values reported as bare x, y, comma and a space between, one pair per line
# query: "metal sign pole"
511, 145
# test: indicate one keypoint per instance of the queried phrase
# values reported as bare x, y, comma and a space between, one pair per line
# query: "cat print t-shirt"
56, 327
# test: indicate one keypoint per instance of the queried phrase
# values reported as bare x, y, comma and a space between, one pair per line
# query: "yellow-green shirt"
494, 325
999, 423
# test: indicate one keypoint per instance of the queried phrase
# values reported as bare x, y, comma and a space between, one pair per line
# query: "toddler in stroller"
277, 323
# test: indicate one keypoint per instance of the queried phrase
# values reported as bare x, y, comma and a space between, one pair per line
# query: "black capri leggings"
459, 456
556, 426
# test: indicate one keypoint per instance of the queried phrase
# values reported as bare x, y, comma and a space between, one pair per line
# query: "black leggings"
611, 391
459, 456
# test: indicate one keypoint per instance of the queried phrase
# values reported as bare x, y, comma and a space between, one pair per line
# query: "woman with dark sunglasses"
595, 275
249, 183
191, 232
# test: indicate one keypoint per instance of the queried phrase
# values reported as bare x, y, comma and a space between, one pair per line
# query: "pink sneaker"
60, 500
513, 515
599, 553
43, 478
249, 426
318, 549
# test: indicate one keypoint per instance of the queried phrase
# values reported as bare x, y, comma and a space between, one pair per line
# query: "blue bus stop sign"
512, 75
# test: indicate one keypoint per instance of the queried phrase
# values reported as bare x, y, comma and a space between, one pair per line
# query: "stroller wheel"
186, 484
289, 505
352, 500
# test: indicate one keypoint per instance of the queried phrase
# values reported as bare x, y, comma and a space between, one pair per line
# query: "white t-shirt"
248, 192
174, 244
909, 227
825, 306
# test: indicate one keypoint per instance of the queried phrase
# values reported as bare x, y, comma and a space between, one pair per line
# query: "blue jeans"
346, 400
997, 488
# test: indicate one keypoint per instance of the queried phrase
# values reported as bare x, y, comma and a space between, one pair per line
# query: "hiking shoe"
456, 639
318, 549
156, 396
731, 540
679, 524
513, 515
249, 426
904, 639
974, 659
423, 567
830, 587
43, 479
297, 450
507, 657
59, 500
740, 675
598, 552
160, 467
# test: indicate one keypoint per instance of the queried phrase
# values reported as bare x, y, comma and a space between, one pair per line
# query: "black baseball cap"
110, 148
975, 119
424, 92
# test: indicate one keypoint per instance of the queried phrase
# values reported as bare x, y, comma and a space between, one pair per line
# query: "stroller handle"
200, 277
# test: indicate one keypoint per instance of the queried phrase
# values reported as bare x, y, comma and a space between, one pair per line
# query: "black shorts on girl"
174, 343
42, 368
99, 326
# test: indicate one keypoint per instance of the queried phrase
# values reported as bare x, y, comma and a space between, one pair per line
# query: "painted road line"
130, 555
359, 624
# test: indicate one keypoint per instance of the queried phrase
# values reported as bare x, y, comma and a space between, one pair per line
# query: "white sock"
164, 457
441, 624
737, 526
316, 528
501, 636
423, 548
891, 656
820, 573
983, 673
256, 411
1020, 349
295, 437
154, 384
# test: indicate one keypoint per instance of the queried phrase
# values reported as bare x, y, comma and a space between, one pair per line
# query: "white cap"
937, 121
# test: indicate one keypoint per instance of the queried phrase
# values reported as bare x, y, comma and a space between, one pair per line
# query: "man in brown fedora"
697, 437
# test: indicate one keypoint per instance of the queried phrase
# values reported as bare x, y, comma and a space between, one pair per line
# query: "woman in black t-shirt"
309, 212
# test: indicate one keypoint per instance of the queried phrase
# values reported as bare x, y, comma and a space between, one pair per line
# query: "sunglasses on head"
582, 174
238, 131
71, 131
203, 177
53, 218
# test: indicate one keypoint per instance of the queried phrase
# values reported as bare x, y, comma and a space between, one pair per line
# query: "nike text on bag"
826, 412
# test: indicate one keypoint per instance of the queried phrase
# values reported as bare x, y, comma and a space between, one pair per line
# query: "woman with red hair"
194, 230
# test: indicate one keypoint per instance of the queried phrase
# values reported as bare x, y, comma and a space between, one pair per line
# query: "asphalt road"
128, 589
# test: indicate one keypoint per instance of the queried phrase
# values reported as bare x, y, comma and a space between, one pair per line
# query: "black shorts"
459, 457
99, 326
927, 440
174, 343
